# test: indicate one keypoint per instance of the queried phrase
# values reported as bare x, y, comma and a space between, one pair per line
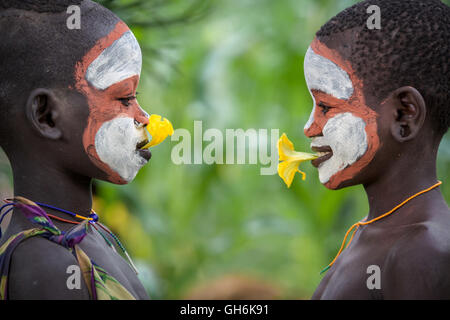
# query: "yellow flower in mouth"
290, 160
159, 128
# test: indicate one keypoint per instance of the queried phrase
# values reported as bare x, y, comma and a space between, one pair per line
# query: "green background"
231, 64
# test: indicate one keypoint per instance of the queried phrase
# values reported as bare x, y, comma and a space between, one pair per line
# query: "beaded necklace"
92, 218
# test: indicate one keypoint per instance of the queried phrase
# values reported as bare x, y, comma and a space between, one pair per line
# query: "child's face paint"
108, 76
341, 121
120, 61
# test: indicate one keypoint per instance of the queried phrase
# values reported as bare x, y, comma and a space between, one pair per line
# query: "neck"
399, 183
53, 186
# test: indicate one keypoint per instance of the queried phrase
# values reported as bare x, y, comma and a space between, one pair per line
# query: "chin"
341, 180
121, 180
123, 168
335, 175
337, 184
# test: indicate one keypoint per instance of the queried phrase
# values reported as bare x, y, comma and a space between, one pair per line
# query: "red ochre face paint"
105, 107
354, 107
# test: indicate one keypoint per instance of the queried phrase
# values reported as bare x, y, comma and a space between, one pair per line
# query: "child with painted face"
380, 111
70, 114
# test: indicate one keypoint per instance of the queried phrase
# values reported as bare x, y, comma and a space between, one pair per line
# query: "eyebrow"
326, 76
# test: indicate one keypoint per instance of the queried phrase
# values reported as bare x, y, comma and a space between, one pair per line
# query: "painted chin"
344, 143
340, 179
116, 144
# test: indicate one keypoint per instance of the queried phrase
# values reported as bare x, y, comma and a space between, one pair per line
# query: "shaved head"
68, 96
37, 50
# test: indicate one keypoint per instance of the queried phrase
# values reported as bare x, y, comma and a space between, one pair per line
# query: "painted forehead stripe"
120, 61
324, 75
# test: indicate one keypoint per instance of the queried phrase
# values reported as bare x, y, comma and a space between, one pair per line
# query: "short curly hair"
411, 49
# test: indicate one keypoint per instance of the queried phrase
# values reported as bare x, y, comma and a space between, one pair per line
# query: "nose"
141, 118
313, 130
312, 127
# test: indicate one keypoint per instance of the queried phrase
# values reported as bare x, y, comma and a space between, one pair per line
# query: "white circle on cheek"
346, 135
115, 143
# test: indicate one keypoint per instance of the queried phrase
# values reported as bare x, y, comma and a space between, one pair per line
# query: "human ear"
42, 112
409, 113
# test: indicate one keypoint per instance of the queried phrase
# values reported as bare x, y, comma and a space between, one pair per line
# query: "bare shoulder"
41, 269
417, 264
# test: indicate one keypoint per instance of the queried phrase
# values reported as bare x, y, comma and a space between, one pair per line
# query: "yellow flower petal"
290, 160
159, 128
287, 170
286, 151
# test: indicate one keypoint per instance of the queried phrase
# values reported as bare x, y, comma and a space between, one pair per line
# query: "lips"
139, 145
144, 153
324, 153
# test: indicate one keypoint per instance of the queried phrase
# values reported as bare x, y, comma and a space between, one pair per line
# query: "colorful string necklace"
92, 218
363, 223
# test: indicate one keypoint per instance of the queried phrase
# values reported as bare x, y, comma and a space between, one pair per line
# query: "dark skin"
51, 166
412, 246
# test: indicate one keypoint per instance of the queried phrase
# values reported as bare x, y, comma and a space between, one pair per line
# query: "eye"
325, 108
126, 101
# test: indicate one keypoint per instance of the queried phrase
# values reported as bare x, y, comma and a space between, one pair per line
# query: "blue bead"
94, 217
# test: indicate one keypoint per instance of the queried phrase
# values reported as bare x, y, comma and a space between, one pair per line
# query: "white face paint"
116, 139
115, 143
346, 135
311, 116
120, 61
326, 76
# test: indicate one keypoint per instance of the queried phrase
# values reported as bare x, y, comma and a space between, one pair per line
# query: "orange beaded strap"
362, 223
